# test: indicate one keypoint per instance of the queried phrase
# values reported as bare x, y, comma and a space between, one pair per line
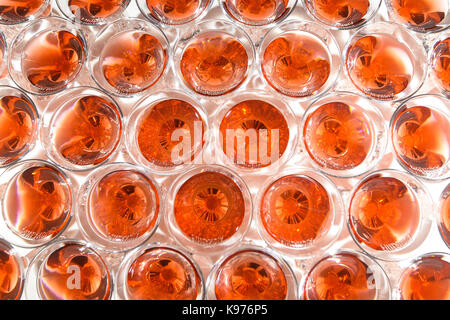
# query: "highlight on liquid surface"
444, 214
133, 61
421, 139
209, 208
384, 213
157, 133
176, 11
419, 14
74, 272
214, 63
18, 126
342, 276
294, 210
87, 131
380, 66
428, 278
338, 136
256, 12
124, 205
340, 13
52, 59
254, 134
296, 64
16, 11
10, 274
440, 63
162, 274
91, 11
38, 203
250, 275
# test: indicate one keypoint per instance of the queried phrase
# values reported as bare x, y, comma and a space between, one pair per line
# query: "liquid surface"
420, 14
250, 275
10, 274
342, 13
209, 208
162, 274
338, 136
296, 64
15, 11
124, 205
87, 131
254, 134
176, 11
384, 214
214, 63
444, 223
441, 64
91, 11
256, 12
295, 209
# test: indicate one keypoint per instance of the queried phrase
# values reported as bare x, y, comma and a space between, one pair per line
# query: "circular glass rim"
432, 59
445, 196
46, 4
21, 261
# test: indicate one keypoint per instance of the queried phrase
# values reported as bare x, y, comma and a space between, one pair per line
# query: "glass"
251, 273
92, 12
385, 61
299, 59
389, 214
129, 56
344, 134
36, 203
159, 271
214, 58
209, 209
3, 56
81, 128
14, 12
346, 275
68, 270
439, 62
11, 272
420, 132
18, 124
299, 212
444, 215
119, 206
47, 56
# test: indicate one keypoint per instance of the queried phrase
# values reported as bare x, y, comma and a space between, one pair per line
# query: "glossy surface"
74, 272
124, 205
294, 210
384, 213
341, 13
338, 136
444, 214
209, 208
254, 134
256, 12
441, 63
419, 14
10, 274
214, 63
296, 64
176, 11
250, 275
91, 11
162, 274
15, 11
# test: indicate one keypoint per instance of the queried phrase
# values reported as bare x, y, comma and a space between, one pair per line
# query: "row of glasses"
73, 269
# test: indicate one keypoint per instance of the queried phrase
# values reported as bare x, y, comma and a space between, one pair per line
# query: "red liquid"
256, 12
176, 11
10, 274
420, 14
15, 11
343, 13
90, 11
441, 63
444, 224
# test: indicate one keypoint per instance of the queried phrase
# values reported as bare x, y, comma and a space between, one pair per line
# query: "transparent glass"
3, 56
12, 272
97, 12
24, 11
439, 57
443, 215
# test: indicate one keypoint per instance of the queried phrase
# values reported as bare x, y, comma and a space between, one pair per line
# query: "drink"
256, 12
11, 277
176, 11
440, 64
94, 10
16, 11
340, 13
444, 215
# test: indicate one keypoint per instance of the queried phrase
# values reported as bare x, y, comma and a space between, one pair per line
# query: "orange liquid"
340, 277
384, 214
18, 126
214, 63
14, 11
133, 61
427, 279
176, 11
337, 136
10, 275
52, 59
162, 274
163, 121
3, 66
441, 63
294, 210
38, 203
75, 272
124, 205
421, 138
89, 11
420, 14
339, 12
209, 208
445, 215
252, 125
380, 65
88, 132
250, 275
296, 64
256, 12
